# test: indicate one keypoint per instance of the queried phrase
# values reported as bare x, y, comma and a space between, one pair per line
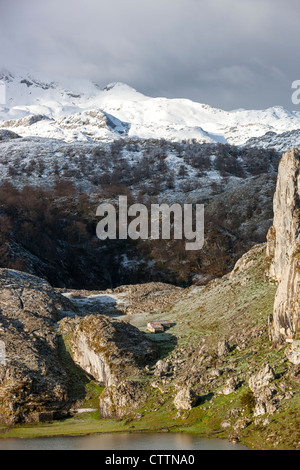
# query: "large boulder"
230, 386
111, 350
265, 401
185, 399
33, 382
223, 348
115, 353
161, 368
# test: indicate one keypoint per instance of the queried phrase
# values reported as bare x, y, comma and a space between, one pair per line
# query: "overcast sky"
226, 53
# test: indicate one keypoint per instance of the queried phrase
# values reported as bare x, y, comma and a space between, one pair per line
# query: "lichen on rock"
111, 350
33, 381
120, 400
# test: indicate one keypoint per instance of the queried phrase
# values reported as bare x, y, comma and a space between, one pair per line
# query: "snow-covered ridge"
83, 111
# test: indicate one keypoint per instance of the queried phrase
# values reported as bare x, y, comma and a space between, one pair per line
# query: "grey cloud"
227, 53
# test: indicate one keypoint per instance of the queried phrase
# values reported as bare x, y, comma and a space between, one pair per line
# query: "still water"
120, 442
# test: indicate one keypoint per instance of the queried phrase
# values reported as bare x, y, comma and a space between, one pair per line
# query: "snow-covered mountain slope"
280, 142
82, 111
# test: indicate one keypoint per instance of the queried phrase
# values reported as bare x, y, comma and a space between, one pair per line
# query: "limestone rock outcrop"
293, 353
115, 353
265, 394
122, 399
185, 399
33, 382
283, 248
230, 386
111, 350
5, 134
261, 379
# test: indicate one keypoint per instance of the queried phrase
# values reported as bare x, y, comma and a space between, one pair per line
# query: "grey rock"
266, 398
223, 348
111, 350
230, 386
185, 399
283, 248
33, 381
262, 379
215, 373
225, 424
265, 401
161, 368
122, 399
293, 353
241, 424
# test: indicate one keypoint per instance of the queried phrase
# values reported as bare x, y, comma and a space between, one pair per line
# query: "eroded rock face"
33, 383
111, 350
283, 248
265, 394
265, 401
115, 354
122, 399
293, 353
262, 379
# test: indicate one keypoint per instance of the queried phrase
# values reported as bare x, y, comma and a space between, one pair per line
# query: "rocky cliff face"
114, 353
283, 248
122, 399
111, 350
33, 383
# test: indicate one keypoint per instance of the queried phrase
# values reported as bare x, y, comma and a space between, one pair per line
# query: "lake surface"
121, 442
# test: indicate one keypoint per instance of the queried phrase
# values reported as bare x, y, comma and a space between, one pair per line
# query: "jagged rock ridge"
283, 248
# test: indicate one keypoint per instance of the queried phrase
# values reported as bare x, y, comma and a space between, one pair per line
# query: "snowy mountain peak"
80, 110
119, 87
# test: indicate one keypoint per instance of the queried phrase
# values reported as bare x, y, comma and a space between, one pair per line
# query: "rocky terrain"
33, 381
74, 311
214, 371
227, 366
35, 378
80, 148
127, 300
